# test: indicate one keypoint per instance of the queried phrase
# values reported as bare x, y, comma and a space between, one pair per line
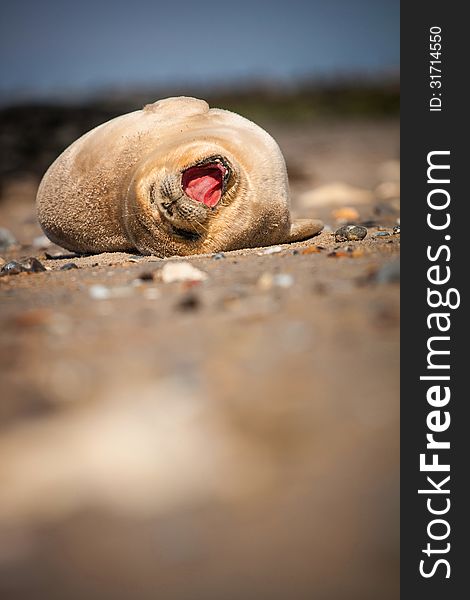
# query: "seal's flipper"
302, 229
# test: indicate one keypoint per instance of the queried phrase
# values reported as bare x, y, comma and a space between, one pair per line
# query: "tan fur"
103, 193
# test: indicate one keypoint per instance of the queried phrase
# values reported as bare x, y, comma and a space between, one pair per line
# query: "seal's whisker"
201, 225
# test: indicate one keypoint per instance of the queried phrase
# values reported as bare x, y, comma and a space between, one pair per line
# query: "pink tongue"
204, 184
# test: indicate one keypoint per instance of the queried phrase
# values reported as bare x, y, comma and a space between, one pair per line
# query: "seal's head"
176, 179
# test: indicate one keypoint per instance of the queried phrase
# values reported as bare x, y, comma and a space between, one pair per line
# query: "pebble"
101, 292
181, 271
68, 267
381, 234
350, 233
271, 250
218, 255
26, 265
33, 265
347, 213
396, 230
267, 281
189, 303
32, 317
283, 280
311, 250
7, 239
348, 252
146, 276
12, 268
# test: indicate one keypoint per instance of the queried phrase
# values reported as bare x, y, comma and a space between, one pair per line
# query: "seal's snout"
204, 183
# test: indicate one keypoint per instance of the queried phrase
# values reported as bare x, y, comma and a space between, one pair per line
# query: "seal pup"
175, 178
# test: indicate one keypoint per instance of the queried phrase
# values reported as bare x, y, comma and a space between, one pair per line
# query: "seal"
175, 178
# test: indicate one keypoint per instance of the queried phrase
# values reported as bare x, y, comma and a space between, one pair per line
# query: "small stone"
146, 276
311, 250
339, 254
396, 230
68, 267
218, 255
348, 252
381, 234
33, 317
346, 213
99, 292
283, 280
33, 265
267, 281
181, 271
13, 267
357, 252
350, 233
271, 250
7, 239
189, 303
26, 265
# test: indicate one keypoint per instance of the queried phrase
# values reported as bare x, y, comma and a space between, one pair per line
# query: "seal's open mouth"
204, 183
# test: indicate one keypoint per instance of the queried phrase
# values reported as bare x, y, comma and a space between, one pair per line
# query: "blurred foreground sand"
236, 438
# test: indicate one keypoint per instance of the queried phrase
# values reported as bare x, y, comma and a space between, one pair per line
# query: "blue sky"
85, 45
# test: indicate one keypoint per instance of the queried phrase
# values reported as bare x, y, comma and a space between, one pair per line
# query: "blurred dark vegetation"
32, 135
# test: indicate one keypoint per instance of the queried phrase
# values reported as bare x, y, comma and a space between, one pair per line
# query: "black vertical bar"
424, 131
